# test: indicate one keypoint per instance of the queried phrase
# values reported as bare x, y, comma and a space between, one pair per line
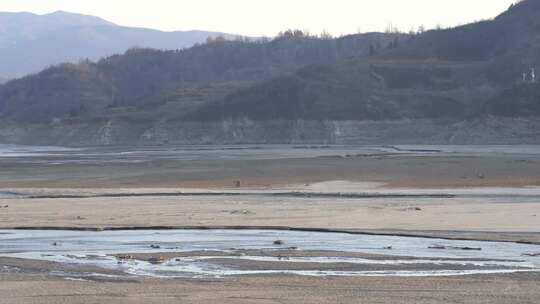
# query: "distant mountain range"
476, 83
30, 43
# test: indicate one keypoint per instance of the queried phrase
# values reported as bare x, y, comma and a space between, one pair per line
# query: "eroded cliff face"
488, 130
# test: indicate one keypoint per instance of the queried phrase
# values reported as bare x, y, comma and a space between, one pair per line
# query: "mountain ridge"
30, 42
368, 88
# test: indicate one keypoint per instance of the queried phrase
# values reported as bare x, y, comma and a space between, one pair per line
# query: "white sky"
268, 17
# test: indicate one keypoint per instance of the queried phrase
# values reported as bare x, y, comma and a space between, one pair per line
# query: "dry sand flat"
442, 214
503, 217
501, 289
397, 171
474, 213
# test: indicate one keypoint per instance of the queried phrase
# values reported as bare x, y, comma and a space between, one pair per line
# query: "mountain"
458, 73
30, 43
146, 82
28, 25
522, 100
3, 80
468, 84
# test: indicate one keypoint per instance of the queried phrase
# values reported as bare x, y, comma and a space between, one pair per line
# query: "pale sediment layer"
497, 218
499, 289
487, 211
368, 172
495, 198
487, 130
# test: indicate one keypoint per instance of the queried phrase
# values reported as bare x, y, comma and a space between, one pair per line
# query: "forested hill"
149, 79
479, 69
446, 81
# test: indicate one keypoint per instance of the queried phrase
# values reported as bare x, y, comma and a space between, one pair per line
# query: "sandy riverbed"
482, 217
396, 171
511, 216
503, 289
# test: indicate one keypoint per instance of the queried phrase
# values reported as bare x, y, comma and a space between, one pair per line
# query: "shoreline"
443, 235
228, 254
108, 196
274, 194
421, 172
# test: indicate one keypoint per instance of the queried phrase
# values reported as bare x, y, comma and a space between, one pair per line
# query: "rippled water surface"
57, 155
425, 257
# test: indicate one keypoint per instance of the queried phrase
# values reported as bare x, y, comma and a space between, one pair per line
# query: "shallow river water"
399, 256
61, 155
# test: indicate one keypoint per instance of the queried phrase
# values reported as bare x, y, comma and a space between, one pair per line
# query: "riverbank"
487, 216
197, 253
430, 170
494, 289
474, 197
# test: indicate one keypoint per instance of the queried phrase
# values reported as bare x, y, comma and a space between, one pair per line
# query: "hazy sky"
267, 17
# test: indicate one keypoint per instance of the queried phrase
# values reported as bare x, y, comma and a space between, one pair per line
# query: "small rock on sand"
126, 257
454, 248
156, 260
412, 209
469, 248
243, 212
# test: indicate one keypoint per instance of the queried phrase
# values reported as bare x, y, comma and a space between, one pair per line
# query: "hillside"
30, 43
356, 89
522, 100
142, 81
469, 84
460, 73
